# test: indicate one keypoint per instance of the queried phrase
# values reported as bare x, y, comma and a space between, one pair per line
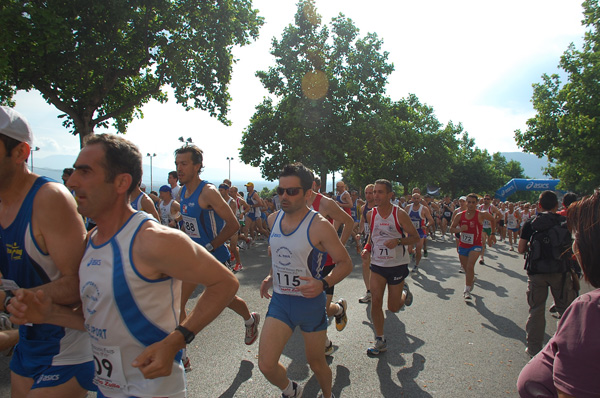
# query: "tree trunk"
323, 181
85, 130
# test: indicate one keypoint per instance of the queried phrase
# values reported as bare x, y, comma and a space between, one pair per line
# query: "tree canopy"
326, 81
328, 109
566, 127
101, 61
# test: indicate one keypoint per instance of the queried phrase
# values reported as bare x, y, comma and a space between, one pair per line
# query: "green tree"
326, 79
101, 61
566, 127
267, 193
405, 143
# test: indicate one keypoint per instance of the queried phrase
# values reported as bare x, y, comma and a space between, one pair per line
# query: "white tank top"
293, 256
124, 313
384, 229
511, 220
486, 223
165, 212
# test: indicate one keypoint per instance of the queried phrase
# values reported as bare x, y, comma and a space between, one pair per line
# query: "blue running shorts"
464, 251
309, 314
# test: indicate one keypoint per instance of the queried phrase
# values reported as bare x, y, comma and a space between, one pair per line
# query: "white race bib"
109, 370
190, 226
467, 238
382, 252
417, 224
287, 280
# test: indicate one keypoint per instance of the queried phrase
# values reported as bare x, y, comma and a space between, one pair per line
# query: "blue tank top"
415, 217
202, 225
137, 202
354, 211
24, 262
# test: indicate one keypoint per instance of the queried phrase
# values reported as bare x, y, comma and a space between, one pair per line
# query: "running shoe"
321, 395
461, 270
481, 262
415, 269
379, 347
252, 330
408, 300
529, 353
424, 252
366, 298
329, 348
238, 267
467, 296
187, 365
297, 391
511, 249
341, 320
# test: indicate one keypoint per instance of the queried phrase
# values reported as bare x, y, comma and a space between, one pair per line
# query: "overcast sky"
472, 61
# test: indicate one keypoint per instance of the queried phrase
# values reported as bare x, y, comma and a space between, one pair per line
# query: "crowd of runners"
111, 304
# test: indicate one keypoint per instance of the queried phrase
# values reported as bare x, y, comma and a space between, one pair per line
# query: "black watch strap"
325, 284
9, 295
187, 335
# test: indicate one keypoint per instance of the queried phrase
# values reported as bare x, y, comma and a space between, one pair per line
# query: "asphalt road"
438, 347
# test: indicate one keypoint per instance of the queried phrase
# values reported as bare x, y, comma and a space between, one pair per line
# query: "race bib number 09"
109, 371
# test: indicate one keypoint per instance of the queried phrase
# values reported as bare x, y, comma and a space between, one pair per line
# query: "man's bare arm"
165, 251
148, 207
214, 199
335, 212
59, 231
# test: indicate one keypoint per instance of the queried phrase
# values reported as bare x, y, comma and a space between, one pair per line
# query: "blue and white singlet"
202, 225
125, 313
293, 256
23, 262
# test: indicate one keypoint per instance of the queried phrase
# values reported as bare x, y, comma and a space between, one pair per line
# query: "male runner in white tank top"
391, 232
298, 242
135, 332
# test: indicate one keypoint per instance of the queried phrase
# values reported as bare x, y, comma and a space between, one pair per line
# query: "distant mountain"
53, 165
532, 165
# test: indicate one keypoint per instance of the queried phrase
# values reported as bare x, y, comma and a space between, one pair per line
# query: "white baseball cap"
14, 125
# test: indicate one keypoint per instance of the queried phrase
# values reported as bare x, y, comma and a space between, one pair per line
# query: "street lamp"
187, 142
151, 156
37, 148
229, 159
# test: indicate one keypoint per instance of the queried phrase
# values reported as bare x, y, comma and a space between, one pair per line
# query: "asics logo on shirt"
48, 378
94, 262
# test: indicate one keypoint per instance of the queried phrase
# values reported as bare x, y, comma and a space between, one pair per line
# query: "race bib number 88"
190, 224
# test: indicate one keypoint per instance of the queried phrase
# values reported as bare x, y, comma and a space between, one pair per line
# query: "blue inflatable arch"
522, 184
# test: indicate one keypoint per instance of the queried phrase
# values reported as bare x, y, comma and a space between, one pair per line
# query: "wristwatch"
9, 295
399, 241
209, 247
187, 335
325, 284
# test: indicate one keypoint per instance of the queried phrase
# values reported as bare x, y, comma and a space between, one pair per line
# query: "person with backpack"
568, 365
546, 243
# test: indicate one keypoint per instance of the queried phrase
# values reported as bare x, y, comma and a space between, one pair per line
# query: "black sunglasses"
290, 191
